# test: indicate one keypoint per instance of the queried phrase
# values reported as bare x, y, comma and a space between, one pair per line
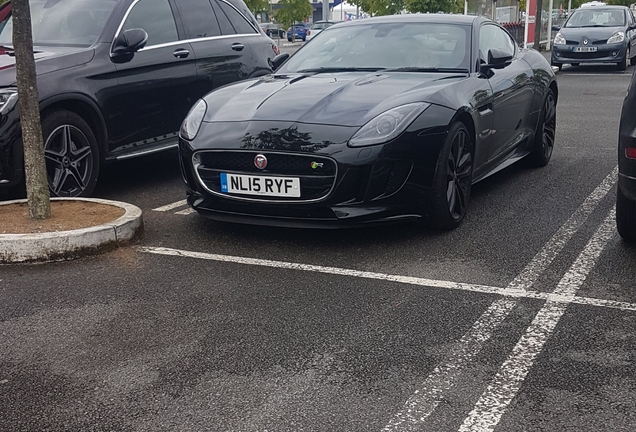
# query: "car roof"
602, 7
426, 18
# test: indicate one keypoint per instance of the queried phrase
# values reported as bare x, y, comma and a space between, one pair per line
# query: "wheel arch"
84, 107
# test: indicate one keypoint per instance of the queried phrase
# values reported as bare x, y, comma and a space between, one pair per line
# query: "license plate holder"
585, 49
270, 186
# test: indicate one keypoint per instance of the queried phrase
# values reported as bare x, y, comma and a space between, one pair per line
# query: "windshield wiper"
430, 69
339, 69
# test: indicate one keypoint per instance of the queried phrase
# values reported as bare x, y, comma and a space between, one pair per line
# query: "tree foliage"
292, 11
390, 7
380, 7
257, 6
431, 6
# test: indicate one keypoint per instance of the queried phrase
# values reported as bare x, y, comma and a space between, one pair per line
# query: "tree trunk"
34, 166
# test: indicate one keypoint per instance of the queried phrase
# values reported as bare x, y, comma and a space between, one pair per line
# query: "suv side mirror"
497, 59
279, 60
130, 41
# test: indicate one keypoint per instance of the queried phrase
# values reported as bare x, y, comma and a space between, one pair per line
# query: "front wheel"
545, 134
71, 154
625, 216
453, 179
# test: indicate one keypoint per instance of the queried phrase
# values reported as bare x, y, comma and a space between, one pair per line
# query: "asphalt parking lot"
523, 319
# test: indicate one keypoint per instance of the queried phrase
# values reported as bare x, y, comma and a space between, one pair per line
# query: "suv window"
491, 36
199, 18
231, 21
156, 18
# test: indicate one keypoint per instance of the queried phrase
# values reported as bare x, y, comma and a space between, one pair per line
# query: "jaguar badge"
260, 161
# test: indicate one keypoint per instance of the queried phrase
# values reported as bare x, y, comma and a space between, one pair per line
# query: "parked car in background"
596, 34
428, 105
626, 191
117, 77
317, 27
300, 32
273, 30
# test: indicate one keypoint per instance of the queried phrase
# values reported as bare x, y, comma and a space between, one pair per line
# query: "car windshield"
596, 18
63, 22
414, 45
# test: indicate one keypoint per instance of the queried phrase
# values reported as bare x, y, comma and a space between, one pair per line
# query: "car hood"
591, 33
47, 59
345, 99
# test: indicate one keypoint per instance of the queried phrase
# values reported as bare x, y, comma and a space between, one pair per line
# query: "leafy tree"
34, 166
257, 6
430, 5
618, 2
292, 11
380, 7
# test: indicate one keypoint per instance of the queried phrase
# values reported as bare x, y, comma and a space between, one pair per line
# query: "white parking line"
169, 207
186, 211
495, 400
408, 280
555, 245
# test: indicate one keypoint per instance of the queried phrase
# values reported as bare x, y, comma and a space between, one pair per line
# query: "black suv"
626, 192
117, 77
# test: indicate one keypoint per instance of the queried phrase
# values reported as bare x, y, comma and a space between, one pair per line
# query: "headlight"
617, 37
192, 122
387, 125
8, 98
559, 39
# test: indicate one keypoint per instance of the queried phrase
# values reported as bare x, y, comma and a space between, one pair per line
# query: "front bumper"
376, 184
605, 53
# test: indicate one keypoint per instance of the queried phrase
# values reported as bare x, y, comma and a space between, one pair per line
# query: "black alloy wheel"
71, 155
625, 216
545, 134
453, 179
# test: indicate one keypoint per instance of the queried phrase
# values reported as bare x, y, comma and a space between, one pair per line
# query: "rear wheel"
71, 154
545, 133
453, 179
625, 216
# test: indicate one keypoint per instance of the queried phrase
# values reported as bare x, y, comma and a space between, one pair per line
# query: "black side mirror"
497, 59
279, 60
130, 41
556, 28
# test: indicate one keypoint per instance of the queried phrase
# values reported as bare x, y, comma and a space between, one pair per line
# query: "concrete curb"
65, 245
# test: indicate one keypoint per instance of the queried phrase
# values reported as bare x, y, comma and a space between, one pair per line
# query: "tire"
632, 61
622, 65
289, 40
625, 216
544, 135
559, 65
71, 154
453, 179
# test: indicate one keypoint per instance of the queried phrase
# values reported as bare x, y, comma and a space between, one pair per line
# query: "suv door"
219, 35
156, 85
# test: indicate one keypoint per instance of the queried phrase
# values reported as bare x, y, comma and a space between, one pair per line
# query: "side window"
491, 36
231, 21
198, 18
156, 18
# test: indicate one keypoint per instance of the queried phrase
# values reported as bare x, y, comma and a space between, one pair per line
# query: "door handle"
181, 53
238, 46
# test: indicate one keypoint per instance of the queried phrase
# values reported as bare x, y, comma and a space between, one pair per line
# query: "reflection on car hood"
47, 59
591, 33
347, 99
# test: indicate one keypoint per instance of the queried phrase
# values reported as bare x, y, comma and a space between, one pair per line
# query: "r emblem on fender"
260, 161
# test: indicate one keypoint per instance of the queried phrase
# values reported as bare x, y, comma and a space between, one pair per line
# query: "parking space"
521, 319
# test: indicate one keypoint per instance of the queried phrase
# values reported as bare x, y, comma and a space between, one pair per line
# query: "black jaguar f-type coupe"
382, 119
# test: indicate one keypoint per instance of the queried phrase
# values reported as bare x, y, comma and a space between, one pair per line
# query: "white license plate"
585, 49
260, 185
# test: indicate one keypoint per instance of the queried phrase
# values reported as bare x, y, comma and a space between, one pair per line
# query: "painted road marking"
186, 211
487, 413
408, 280
169, 207
431, 392
555, 245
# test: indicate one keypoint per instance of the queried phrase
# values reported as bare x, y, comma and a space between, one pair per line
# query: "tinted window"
237, 23
155, 17
386, 45
198, 18
491, 36
65, 22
